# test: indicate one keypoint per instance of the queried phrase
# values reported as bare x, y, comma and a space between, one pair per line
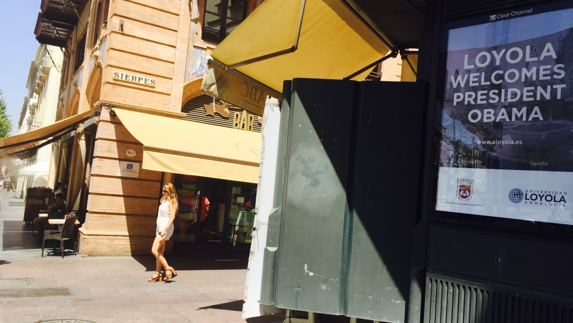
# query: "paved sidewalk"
208, 289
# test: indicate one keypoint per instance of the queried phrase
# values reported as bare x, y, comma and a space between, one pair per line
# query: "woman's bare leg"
155, 251
161, 257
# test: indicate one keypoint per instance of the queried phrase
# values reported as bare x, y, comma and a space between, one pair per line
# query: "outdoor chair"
65, 233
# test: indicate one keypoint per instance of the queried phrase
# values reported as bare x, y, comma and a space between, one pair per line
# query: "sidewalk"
208, 289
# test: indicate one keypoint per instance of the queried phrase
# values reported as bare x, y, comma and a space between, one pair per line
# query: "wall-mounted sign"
130, 153
120, 76
129, 169
505, 127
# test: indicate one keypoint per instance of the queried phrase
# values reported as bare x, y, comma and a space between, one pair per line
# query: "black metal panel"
462, 252
535, 264
389, 140
311, 271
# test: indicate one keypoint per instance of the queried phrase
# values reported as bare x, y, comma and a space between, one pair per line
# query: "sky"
17, 51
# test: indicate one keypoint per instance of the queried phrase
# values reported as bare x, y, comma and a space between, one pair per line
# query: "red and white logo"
465, 188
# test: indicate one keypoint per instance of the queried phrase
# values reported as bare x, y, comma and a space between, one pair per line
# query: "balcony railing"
49, 31
64, 10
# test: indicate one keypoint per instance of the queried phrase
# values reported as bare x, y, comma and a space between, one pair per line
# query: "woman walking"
167, 210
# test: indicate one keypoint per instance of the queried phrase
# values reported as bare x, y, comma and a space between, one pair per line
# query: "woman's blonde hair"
173, 198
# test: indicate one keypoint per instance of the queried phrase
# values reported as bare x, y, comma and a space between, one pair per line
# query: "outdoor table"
58, 222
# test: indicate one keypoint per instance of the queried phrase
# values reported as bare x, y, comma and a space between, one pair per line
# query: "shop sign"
506, 115
129, 169
243, 121
142, 80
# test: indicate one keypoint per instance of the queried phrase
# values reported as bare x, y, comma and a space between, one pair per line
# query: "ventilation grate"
457, 301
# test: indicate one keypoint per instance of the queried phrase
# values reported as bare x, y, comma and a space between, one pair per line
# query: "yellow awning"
334, 43
192, 148
28, 139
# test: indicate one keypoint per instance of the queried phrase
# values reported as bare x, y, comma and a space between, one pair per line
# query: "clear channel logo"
538, 197
515, 13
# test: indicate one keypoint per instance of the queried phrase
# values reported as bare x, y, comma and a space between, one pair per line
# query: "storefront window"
214, 210
242, 213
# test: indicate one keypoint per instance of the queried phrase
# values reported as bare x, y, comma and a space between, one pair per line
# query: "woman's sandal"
172, 273
155, 277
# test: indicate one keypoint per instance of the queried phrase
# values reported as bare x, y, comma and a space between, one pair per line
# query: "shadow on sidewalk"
18, 236
202, 256
238, 307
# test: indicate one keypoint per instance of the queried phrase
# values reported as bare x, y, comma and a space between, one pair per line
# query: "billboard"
505, 116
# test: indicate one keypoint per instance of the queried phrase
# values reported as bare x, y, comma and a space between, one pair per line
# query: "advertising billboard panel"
505, 116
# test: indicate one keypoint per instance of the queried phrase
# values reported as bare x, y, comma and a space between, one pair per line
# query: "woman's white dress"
163, 220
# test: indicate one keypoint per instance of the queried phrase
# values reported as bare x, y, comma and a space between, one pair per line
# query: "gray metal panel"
388, 157
311, 272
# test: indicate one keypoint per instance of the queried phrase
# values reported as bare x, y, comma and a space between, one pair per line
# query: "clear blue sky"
18, 50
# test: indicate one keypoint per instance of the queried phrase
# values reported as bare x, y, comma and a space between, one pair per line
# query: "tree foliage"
5, 122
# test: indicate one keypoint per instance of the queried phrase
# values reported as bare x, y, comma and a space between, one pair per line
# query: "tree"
5, 122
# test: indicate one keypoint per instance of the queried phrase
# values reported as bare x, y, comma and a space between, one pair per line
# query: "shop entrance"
213, 212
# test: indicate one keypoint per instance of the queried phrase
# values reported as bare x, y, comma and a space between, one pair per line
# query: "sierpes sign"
120, 76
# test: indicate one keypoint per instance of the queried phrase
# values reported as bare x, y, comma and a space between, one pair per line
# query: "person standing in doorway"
168, 207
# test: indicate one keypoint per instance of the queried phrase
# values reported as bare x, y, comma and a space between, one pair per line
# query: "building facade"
39, 110
148, 57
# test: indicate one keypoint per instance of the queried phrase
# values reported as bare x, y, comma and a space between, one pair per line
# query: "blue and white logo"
516, 195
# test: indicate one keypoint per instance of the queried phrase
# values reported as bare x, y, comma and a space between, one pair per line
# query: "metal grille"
196, 112
457, 301
455, 9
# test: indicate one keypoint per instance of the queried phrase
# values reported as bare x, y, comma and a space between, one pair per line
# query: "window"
101, 19
80, 50
222, 17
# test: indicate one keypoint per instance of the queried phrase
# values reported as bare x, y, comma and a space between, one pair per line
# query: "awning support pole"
404, 55
391, 55
275, 54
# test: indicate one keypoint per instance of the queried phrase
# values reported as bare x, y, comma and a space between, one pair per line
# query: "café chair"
65, 233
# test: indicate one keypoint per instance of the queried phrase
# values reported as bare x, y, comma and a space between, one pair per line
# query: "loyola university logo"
465, 188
